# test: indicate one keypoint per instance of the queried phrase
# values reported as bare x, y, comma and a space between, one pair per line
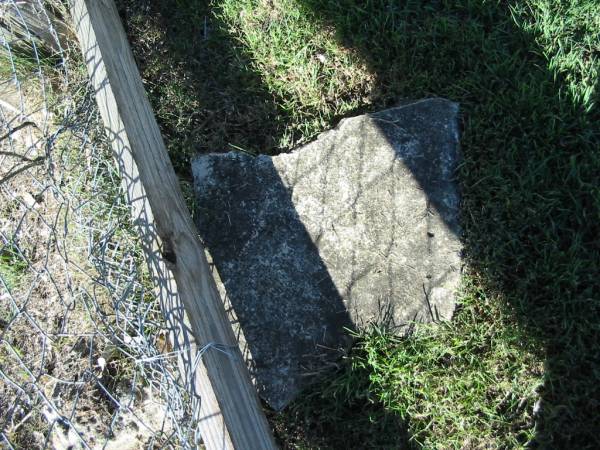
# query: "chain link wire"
85, 359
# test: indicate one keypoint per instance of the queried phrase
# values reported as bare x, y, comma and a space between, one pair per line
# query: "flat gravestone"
359, 226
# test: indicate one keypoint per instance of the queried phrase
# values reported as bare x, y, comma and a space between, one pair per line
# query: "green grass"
23, 56
519, 365
12, 267
470, 383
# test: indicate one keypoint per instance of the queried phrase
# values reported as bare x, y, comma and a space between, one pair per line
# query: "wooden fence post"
232, 417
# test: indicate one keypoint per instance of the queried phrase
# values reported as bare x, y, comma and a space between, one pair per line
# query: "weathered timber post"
232, 417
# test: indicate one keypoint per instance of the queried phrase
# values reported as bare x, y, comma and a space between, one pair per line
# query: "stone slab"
360, 226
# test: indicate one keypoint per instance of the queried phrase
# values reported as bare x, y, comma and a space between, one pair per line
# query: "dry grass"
72, 276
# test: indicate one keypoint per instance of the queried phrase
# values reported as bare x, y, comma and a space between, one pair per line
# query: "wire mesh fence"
85, 359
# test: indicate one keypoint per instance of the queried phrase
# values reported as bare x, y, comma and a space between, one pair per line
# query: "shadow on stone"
291, 315
358, 227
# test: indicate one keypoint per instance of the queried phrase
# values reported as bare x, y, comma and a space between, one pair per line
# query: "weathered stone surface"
359, 226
